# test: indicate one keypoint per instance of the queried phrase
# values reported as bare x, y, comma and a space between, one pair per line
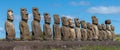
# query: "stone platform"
39, 45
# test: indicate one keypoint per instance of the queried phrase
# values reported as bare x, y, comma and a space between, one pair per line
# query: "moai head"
47, 18
10, 15
99, 27
89, 26
103, 27
71, 23
107, 21
112, 28
24, 14
83, 24
94, 20
64, 21
77, 22
36, 14
56, 19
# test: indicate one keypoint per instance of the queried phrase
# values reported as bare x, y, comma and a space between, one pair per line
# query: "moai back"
36, 28
9, 26
23, 26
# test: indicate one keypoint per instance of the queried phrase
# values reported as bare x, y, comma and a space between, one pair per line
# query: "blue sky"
83, 9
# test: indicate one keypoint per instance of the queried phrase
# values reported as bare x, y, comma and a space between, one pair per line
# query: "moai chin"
36, 28
77, 29
56, 28
64, 29
71, 29
108, 29
104, 32
89, 32
47, 28
95, 27
23, 26
83, 30
101, 35
9, 26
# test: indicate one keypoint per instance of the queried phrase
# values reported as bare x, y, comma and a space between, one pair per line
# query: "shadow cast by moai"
71, 29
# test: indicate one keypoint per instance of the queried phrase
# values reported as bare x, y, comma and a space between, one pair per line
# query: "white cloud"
105, 10
81, 3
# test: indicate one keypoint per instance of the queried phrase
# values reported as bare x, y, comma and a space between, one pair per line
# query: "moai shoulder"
9, 26
36, 28
23, 26
47, 29
77, 29
56, 28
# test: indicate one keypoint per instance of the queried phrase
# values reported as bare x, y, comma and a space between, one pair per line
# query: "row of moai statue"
70, 29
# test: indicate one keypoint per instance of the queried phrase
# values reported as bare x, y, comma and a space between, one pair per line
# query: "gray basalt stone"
36, 28
9, 26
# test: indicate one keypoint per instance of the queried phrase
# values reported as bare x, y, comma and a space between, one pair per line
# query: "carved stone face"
36, 14
64, 21
83, 24
94, 20
77, 22
89, 26
56, 19
71, 23
10, 15
103, 26
47, 18
24, 14
99, 27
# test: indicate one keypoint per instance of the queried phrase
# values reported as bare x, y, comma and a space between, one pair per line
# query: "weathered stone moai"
112, 31
56, 28
77, 29
47, 29
9, 26
36, 28
95, 27
101, 35
83, 30
104, 32
108, 29
64, 29
23, 26
89, 32
71, 29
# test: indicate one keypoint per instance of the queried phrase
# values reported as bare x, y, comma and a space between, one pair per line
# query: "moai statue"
84, 30
47, 29
108, 29
89, 32
77, 29
9, 26
101, 35
104, 32
95, 28
112, 31
64, 29
23, 26
71, 29
56, 28
36, 28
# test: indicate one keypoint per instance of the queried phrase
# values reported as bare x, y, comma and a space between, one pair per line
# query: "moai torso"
108, 29
64, 29
77, 29
47, 28
95, 28
83, 30
56, 28
100, 37
36, 28
24, 28
104, 32
89, 31
71, 29
9, 26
